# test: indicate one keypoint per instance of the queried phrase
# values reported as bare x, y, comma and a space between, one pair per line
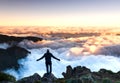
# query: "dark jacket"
47, 57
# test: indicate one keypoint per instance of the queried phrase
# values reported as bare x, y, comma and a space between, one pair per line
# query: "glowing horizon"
60, 13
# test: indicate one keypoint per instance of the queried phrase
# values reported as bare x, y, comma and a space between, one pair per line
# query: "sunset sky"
60, 13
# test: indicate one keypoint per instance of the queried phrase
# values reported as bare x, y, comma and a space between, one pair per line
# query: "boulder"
75, 72
69, 72
31, 79
79, 71
48, 77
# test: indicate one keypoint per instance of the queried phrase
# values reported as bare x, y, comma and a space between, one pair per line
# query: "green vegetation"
60, 80
106, 80
117, 82
87, 78
73, 80
7, 77
38, 81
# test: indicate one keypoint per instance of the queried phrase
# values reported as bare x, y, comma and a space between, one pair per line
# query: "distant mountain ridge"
6, 38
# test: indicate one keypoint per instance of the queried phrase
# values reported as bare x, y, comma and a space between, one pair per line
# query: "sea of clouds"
93, 52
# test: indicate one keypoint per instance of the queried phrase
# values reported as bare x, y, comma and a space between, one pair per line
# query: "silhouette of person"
48, 61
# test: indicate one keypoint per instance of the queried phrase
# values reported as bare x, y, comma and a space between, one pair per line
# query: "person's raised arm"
40, 58
55, 58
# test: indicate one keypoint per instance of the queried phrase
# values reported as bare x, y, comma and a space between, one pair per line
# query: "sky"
60, 13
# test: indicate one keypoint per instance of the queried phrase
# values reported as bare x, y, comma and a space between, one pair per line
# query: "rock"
76, 72
103, 73
69, 72
79, 71
86, 76
48, 78
12, 55
109, 74
31, 79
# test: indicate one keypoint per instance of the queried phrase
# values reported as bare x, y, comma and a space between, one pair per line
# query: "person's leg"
47, 68
50, 68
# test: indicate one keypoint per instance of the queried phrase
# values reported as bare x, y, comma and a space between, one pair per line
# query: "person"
48, 61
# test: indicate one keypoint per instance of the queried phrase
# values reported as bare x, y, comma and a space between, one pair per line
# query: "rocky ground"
72, 75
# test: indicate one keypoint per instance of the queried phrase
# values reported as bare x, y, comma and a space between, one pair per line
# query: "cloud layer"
92, 52
30, 66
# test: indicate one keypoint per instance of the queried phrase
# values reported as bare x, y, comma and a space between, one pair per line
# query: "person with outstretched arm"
48, 61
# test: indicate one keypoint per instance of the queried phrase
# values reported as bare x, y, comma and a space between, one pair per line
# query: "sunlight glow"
93, 48
76, 50
67, 20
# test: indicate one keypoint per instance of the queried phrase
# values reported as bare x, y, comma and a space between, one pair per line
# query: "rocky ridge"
78, 74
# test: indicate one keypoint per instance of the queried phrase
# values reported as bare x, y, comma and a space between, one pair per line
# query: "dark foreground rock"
9, 57
72, 75
75, 72
48, 78
31, 79
84, 75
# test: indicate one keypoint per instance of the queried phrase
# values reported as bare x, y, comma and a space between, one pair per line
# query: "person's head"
47, 50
